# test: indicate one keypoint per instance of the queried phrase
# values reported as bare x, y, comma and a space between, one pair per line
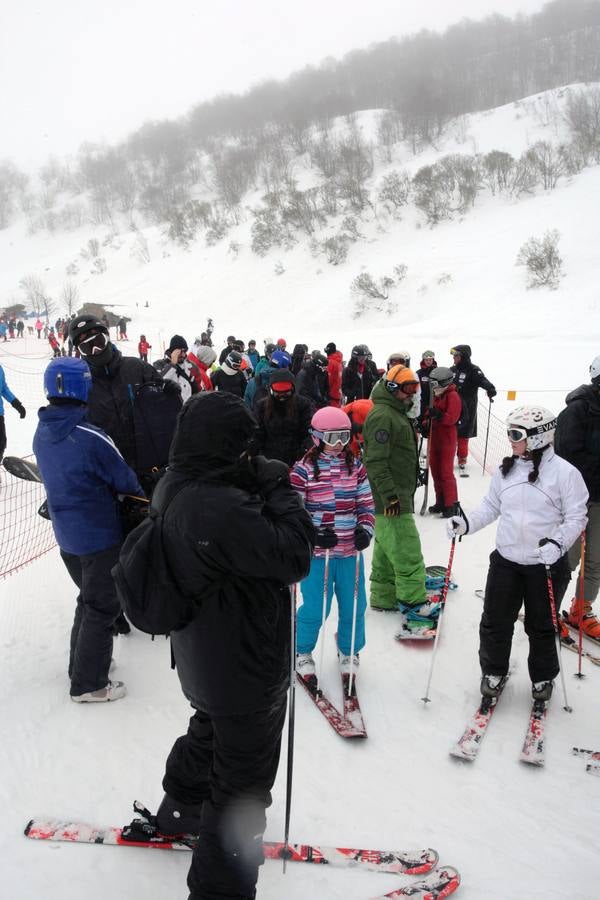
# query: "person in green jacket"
391, 460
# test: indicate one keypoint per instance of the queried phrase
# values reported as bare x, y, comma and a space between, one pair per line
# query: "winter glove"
393, 507
423, 477
357, 428
549, 552
492, 393
326, 538
435, 413
270, 473
171, 387
456, 526
16, 404
362, 538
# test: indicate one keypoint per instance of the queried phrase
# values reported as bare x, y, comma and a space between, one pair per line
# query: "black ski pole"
285, 852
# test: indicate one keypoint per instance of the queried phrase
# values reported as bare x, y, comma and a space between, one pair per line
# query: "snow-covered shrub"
542, 260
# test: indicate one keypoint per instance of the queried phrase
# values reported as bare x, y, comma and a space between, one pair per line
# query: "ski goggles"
407, 387
516, 434
341, 436
94, 343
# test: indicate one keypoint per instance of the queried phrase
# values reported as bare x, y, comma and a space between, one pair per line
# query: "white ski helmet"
536, 423
595, 371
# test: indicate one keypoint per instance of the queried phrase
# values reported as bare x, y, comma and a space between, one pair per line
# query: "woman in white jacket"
538, 497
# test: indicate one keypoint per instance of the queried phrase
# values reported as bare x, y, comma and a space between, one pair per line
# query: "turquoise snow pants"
341, 580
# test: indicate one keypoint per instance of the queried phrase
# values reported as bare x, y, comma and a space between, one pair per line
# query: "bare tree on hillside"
69, 297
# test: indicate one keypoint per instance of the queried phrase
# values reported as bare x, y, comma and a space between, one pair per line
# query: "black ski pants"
510, 586
96, 610
228, 764
2, 438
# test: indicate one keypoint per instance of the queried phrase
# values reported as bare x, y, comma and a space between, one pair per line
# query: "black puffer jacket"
356, 386
468, 378
110, 404
283, 428
236, 540
313, 383
577, 436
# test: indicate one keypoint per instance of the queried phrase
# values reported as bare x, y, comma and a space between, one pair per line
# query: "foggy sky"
74, 71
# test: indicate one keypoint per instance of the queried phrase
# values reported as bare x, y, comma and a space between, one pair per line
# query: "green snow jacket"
390, 451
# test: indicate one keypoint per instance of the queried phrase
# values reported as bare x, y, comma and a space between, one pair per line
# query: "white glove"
549, 554
456, 526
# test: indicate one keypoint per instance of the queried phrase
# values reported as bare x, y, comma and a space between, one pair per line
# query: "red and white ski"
439, 884
592, 768
143, 834
336, 719
533, 746
352, 710
467, 746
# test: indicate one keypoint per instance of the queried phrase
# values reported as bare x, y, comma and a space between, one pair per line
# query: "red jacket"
143, 347
444, 428
199, 373
357, 412
335, 368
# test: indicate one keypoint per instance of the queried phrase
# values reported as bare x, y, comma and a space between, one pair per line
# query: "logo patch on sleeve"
382, 436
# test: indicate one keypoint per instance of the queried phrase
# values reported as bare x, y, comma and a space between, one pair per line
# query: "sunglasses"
407, 387
516, 434
95, 343
341, 436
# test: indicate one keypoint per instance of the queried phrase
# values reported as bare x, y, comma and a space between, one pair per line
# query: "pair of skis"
468, 745
592, 768
350, 723
143, 832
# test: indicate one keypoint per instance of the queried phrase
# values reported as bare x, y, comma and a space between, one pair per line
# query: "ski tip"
28, 827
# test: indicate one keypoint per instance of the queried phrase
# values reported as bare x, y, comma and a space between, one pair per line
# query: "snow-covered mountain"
511, 831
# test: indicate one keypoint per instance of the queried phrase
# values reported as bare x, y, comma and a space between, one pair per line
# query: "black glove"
492, 393
435, 413
326, 538
270, 473
362, 538
422, 477
393, 507
423, 426
16, 404
171, 387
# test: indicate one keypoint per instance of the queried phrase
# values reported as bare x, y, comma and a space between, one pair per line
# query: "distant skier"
7, 394
143, 348
537, 496
122, 329
468, 378
83, 472
312, 381
335, 371
335, 489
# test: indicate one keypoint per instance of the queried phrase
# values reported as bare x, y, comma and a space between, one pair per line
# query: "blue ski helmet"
281, 359
68, 377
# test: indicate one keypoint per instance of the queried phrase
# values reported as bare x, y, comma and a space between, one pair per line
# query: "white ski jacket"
553, 507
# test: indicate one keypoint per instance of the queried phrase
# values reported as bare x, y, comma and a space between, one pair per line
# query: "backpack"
156, 405
146, 585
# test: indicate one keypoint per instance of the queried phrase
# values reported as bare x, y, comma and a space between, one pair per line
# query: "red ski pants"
463, 448
441, 463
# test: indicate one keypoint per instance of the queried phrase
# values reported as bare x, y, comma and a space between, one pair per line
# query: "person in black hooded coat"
468, 378
237, 535
284, 420
312, 382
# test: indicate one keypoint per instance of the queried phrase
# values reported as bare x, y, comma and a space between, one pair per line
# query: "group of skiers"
282, 469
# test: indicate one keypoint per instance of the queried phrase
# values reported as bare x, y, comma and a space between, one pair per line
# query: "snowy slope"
511, 831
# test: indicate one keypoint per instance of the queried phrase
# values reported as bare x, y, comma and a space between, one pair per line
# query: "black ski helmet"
81, 324
360, 350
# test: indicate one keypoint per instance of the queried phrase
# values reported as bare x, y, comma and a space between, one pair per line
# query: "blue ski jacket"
5, 391
83, 472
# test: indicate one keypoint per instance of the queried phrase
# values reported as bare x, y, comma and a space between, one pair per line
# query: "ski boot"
305, 664
491, 685
589, 623
437, 507
174, 818
542, 690
347, 662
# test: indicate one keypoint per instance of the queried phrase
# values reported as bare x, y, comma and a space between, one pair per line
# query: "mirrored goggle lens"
93, 344
516, 434
408, 387
337, 437
282, 395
